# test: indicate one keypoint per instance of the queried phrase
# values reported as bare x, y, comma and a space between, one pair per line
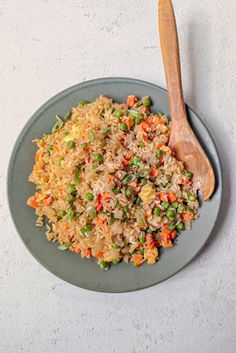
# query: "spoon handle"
170, 55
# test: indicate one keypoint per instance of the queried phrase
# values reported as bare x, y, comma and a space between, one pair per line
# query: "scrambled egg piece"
151, 255
77, 131
147, 194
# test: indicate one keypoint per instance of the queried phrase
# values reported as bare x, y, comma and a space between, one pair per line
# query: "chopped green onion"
64, 246
116, 203
61, 213
76, 176
103, 143
98, 157
115, 246
129, 178
147, 102
70, 144
137, 120
106, 131
87, 228
123, 126
70, 198
70, 214
84, 145
128, 192
159, 153
89, 196
68, 115
138, 201
142, 239
58, 125
144, 171
143, 181
84, 102
126, 209
116, 190
48, 150
143, 220
136, 161
92, 212
188, 174
62, 159
171, 226
115, 262
160, 114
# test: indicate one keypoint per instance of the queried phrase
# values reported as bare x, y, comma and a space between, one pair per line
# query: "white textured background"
46, 46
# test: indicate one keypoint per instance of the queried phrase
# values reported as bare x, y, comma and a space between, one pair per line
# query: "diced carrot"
129, 123
99, 254
48, 201
187, 217
110, 177
163, 196
32, 203
137, 259
131, 100
167, 244
159, 122
77, 250
125, 163
55, 148
172, 197
159, 145
87, 252
37, 156
37, 168
153, 172
165, 233
149, 120
66, 227
145, 137
150, 245
166, 225
37, 194
144, 125
86, 149
149, 237
173, 234
186, 182
106, 196
129, 156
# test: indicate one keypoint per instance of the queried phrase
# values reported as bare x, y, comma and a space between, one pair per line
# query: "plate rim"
53, 100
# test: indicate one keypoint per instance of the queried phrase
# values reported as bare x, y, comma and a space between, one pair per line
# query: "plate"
85, 273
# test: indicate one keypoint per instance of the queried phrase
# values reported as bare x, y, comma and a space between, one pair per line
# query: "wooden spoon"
182, 139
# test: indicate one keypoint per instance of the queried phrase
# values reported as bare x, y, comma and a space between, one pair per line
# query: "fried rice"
108, 185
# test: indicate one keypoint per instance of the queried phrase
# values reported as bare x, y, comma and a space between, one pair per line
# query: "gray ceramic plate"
69, 266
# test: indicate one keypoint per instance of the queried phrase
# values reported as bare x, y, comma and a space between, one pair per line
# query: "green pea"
165, 204
116, 203
157, 211
141, 251
142, 239
123, 126
104, 265
71, 188
84, 145
170, 214
84, 102
70, 144
128, 192
70, 198
143, 181
61, 213
118, 114
147, 102
89, 196
175, 204
138, 201
116, 190
76, 176
70, 214
192, 198
181, 209
106, 131
98, 157
143, 220
115, 246
141, 144
115, 262
68, 115
137, 120
159, 153
92, 212
38, 187
180, 226
136, 161
171, 226
126, 209
86, 228
188, 174
160, 114
91, 135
